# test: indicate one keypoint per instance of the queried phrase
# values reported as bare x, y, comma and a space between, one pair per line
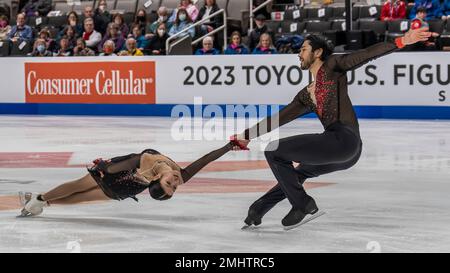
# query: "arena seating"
329, 20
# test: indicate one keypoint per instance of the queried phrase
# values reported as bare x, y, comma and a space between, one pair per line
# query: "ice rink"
396, 199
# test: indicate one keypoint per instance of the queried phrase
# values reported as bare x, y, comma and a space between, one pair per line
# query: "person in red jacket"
393, 10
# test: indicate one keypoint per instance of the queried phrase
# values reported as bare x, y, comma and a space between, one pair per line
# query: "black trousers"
337, 148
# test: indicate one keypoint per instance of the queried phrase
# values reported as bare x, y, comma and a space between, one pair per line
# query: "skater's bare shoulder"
149, 161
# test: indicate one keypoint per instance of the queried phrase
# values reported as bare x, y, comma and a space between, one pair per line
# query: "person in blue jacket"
446, 10
182, 22
434, 10
21, 32
208, 47
265, 45
236, 47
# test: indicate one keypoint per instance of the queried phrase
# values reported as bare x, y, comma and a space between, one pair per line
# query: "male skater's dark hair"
318, 41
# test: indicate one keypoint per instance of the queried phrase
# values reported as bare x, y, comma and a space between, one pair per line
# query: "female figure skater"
338, 148
123, 177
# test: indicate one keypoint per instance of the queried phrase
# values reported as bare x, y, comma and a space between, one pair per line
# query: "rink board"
400, 85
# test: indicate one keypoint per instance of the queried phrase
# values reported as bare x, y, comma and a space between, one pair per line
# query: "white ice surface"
397, 195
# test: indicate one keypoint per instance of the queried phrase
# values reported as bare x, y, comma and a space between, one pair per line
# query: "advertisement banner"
90, 82
398, 79
247, 79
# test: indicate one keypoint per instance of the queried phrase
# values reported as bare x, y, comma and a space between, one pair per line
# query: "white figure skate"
32, 206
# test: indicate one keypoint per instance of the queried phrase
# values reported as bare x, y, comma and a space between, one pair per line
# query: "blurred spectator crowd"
135, 28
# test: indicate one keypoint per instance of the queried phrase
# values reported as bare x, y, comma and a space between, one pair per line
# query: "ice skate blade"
249, 227
24, 213
306, 220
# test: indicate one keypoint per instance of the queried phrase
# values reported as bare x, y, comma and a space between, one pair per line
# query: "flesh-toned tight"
81, 190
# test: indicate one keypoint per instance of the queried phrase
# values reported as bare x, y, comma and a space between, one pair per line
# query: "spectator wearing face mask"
163, 18
190, 8
108, 49
157, 44
81, 50
208, 47
141, 19
5, 28
40, 49
44, 34
102, 17
183, 21
21, 32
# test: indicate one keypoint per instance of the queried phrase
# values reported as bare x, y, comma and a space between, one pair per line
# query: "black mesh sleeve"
350, 61
188, 172
292, 111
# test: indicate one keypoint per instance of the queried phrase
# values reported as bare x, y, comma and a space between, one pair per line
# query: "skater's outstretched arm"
188, 172
289, 113
346, 62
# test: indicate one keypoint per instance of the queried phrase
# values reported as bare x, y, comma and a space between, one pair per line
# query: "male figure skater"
338, 147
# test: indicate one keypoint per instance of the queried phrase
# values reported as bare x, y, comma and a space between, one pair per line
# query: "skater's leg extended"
80, 185
94, 194
37, 202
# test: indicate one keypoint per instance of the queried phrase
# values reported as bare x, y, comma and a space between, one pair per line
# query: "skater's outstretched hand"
243, 143
416, 35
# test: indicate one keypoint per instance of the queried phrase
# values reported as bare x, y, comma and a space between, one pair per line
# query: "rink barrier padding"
165, 110
403, 85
